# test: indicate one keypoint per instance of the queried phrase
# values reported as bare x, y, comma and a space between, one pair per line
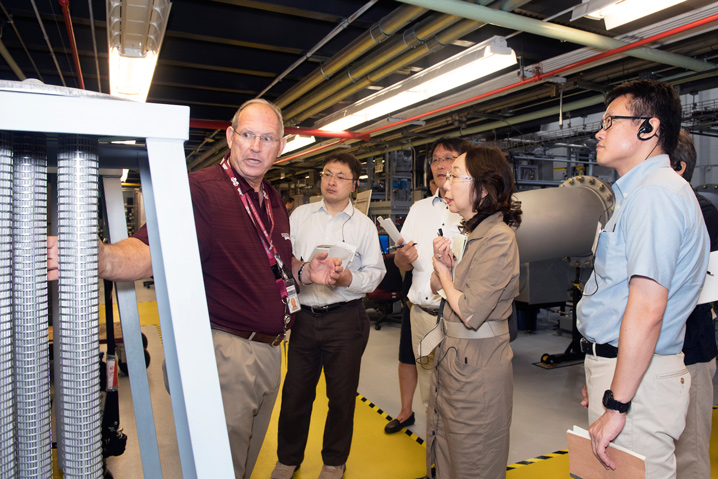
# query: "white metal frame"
189, 353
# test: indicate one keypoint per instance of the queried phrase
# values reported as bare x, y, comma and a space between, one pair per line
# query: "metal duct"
412, 37
8, 432
335, 31
561, 222
556, 31
78, 371
443, 38
32, 363
389, 25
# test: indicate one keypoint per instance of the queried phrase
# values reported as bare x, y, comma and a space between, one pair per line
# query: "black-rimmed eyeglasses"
607, 122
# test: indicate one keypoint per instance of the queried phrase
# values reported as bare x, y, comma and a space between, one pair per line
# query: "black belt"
602, 350
273, 339
431, 311
329, 307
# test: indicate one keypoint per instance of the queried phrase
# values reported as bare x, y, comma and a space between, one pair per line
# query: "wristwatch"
610, 403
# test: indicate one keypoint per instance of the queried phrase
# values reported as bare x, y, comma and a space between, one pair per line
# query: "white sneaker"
332, 472
282, 471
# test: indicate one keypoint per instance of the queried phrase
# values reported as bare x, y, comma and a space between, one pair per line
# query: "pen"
392, 248
441, 233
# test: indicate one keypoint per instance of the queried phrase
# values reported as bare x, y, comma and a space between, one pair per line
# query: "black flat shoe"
395, 425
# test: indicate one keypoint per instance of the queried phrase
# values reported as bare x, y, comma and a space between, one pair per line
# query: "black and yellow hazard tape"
534, 460
420, 441
383, 414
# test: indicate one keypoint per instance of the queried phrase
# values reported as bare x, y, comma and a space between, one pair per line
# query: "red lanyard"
265, 238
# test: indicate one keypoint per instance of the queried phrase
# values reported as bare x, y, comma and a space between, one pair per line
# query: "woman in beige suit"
470, 411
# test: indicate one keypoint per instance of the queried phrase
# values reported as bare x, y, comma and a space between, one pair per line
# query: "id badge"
292, 297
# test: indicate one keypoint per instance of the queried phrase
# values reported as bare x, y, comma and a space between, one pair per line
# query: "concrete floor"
546, 401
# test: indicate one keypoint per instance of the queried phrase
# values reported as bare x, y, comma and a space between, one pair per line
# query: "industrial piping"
536, 78
380, 32
65, 4
552, 30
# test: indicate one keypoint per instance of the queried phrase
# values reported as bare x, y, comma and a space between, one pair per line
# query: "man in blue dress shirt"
650, 264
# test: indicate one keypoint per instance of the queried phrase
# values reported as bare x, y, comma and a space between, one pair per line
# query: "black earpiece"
645, 129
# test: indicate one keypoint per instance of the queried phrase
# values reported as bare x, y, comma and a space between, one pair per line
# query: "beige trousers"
421, 323
249, 376
692, 453
470, 414
658, 410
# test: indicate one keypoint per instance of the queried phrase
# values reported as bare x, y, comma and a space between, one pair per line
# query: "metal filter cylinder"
77, 364
562, 222
31, 355
8, 431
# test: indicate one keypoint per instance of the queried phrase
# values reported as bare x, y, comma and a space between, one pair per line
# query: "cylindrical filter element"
77, 191
8, 432
32, 365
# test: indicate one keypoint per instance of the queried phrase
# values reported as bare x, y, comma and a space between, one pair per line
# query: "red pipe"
538, 77
222, 125
65, 4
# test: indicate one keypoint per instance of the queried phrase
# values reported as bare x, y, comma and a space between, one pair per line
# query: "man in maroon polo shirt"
241, 223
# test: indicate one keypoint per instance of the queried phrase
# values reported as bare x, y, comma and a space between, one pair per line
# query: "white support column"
185, 324
132, 336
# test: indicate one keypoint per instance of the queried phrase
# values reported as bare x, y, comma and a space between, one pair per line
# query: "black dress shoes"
395, 425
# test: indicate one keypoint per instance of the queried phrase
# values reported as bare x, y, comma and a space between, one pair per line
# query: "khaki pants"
692, 453
421, 323
249, 376
658, 410
469, 416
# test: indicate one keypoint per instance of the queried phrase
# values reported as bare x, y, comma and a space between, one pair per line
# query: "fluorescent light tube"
296, 142
469, 65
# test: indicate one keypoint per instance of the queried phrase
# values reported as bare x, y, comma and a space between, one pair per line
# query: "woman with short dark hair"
471, 403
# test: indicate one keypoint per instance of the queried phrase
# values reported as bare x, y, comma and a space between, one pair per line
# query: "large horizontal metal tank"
562, 222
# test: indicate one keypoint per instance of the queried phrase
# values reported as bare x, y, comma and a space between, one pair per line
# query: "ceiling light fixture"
134, 35
295, 142
618, 12
473, 63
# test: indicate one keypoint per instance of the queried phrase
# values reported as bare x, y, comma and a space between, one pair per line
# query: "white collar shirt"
312, 225
421, 226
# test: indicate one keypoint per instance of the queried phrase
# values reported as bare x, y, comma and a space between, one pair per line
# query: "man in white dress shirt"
332, 328
421, 226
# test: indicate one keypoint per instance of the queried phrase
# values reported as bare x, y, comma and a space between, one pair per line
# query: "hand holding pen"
406, 253
442, 250
397, 246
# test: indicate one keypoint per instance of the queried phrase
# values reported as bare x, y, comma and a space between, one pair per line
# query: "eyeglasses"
249, 137
607, 122
453, 177
435, 160
329, 176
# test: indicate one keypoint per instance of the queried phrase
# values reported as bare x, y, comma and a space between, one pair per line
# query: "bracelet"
299, 274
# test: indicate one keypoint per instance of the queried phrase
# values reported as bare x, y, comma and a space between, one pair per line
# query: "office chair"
389, 291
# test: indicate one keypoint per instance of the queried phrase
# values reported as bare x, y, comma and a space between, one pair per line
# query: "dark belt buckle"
318, 309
